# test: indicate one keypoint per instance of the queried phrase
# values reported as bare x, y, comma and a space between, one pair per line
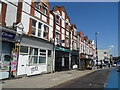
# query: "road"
96, 80
114, 79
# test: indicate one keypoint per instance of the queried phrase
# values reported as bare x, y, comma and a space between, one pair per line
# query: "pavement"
45, 80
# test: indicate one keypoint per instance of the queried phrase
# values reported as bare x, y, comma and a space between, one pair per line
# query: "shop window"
37, 56
42, 52
44, 9
57, 19
33, 55
34, 26
23, 49
42, 59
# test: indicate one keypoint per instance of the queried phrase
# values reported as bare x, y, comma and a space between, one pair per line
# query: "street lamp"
96, 47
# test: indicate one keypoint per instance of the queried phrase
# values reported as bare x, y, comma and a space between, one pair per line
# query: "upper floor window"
34, 26
66, 24
39, 29
57, 19
37, 5
105, 52
67, 42
75, 32
57, 37
44, 9
45, 31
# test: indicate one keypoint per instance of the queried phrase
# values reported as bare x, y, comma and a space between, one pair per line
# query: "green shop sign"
61, 49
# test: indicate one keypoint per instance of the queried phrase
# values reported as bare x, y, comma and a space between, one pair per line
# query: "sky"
91, 17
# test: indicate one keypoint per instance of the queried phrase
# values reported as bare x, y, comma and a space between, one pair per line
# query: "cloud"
112, 46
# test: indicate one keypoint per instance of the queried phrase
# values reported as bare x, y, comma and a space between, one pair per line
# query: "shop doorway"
22, 61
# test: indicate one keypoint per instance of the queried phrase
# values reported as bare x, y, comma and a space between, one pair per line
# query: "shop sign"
33, 69
8, 35
61, 49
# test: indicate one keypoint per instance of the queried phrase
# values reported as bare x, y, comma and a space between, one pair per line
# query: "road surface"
96, 80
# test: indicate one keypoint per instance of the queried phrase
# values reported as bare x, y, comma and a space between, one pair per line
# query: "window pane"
43, 54
42, 50
45, 28
42, 59
35, 51
37, 5
31, 51
35, 58
34, 22
30, 59
39, 25
33, 30
44, 34
44, 10
39, 33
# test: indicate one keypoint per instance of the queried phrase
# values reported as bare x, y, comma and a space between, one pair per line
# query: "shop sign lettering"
62, 49
8, 35
34, 69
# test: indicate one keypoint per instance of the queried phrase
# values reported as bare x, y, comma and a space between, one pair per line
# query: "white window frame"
38, 56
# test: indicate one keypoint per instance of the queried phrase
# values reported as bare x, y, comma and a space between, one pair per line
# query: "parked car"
118, 64
114, 65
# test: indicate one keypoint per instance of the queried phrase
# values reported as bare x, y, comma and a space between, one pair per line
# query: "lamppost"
96, 47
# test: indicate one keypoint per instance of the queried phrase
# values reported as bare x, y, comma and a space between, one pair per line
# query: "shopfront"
61, 58
8, 42
35, 56
75, 59
86, 61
